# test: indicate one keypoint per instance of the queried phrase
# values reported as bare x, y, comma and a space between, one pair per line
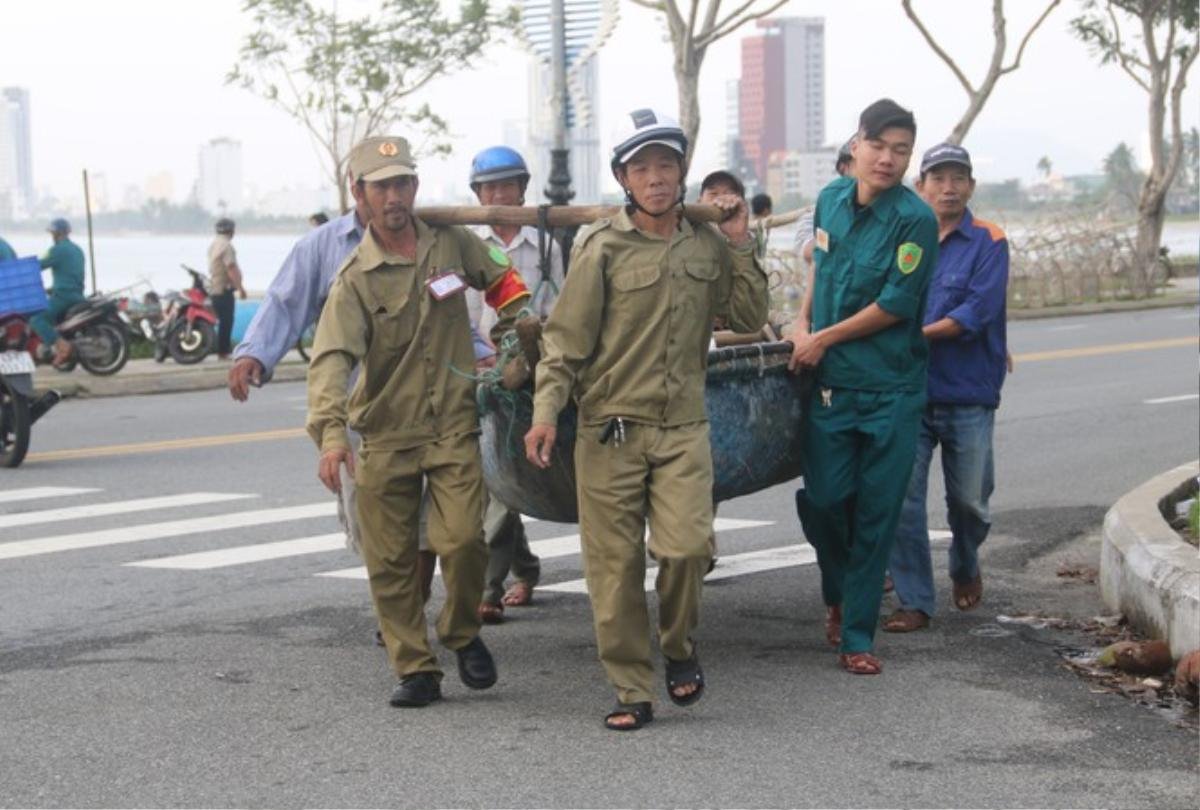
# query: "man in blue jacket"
965, 327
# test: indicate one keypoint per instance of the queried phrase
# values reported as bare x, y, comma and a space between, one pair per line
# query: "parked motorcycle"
97, 331
188, 328
19, 408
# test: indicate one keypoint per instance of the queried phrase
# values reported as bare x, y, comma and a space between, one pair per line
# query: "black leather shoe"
475, 665
417, 690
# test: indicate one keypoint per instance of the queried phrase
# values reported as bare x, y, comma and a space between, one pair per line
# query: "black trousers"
223, 306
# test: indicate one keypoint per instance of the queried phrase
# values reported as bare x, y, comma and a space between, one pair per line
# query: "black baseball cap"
884, 114
723, 176
945, 153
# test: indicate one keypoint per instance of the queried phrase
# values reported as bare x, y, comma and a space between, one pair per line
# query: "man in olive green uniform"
397, 307
628, 339
876, 243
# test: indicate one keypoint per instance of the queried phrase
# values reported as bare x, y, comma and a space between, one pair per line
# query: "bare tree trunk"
1151, 214
686, 83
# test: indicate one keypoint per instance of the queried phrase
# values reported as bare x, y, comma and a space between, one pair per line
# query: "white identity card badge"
445, 285
823, 239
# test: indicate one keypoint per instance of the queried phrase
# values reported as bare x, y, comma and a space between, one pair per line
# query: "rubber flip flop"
642, 713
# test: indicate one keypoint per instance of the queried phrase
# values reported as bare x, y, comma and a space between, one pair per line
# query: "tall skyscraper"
583, 136
219, 187
781, 100
16, 157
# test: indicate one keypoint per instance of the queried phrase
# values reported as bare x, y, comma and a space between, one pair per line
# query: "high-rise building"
583, 136
781, 98
159, 186
16, 157
219, 187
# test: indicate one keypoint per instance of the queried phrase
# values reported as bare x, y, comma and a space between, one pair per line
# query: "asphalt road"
136, 671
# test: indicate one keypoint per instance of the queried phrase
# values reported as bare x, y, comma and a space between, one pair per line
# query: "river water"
125, 259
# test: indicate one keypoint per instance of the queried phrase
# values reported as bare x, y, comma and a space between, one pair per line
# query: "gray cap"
945, 153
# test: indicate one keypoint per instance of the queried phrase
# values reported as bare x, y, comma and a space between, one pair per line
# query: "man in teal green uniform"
876, 244
65, 262
7, 254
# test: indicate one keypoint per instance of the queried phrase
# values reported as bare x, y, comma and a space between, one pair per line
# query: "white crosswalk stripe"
157, 531
94, 510
239, 555
730, 566
564, 546
33, 493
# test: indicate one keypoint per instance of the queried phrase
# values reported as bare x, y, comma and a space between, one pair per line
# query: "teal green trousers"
859, 448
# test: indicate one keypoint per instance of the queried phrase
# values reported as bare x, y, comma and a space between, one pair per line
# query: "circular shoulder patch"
498, 256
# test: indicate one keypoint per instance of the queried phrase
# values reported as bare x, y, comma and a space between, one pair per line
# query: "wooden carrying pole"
557, 216
87, 204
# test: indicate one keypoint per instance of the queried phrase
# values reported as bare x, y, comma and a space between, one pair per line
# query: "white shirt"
523, 253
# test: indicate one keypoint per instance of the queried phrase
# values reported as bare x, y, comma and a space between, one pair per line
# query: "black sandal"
681, 673
642, 713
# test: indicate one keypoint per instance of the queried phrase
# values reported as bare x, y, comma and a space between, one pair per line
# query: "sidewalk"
149, 377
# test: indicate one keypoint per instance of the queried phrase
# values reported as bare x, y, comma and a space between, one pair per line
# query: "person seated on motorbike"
65, 262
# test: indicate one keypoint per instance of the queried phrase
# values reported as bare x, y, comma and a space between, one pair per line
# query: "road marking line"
33, 493
1067, 328
940, 534
169, 444
295, 433
239, 555
1110, 348
158, 531
94, 510
562, 546
730, 566
1165, 400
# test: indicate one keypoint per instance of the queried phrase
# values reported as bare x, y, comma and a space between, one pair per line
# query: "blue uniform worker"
875, 245
65, 262
965, 326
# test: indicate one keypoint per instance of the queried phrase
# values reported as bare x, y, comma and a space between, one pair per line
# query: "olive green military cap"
380, 158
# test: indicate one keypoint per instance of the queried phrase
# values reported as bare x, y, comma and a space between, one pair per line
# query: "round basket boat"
754, 411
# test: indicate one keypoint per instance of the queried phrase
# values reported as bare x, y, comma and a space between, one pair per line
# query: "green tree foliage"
347, 78
1123, 179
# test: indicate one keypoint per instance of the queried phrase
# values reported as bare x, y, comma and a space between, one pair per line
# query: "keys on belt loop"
615, 430
827, 397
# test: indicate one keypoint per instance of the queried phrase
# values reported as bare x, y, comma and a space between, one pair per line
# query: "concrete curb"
122, 384
1148, 572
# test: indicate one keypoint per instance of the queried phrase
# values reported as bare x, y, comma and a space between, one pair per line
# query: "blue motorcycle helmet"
498, 163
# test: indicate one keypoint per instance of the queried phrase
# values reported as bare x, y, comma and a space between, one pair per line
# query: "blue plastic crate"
21, 290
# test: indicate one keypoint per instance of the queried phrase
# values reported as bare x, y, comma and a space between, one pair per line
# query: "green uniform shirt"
6, 252
416, 385
629, 335
883, 253
65, 261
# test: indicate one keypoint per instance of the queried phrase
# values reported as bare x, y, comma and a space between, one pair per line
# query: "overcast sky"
129, 88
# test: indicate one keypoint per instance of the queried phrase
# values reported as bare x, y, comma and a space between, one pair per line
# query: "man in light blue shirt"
293, 301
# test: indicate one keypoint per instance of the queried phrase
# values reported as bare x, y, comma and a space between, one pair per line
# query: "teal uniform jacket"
883, 253
65, 262
861, 423
7, 254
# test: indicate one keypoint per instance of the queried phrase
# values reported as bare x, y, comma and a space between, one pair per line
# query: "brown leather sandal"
905, 621
862, 663
491, 614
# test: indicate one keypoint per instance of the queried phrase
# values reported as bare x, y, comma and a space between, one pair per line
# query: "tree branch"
945, 57
1016, 63
1125, 59
732, 25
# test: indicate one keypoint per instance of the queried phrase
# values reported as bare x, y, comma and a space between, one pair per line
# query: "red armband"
506, 289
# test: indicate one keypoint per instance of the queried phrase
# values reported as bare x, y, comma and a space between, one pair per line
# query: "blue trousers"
965, 434
43, 323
